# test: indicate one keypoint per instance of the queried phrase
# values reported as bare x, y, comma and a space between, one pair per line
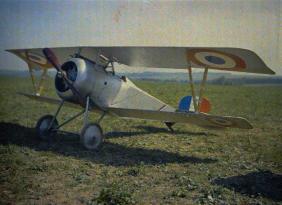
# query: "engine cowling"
81, 73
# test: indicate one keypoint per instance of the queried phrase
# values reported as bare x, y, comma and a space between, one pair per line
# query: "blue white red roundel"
36, 58
215, 59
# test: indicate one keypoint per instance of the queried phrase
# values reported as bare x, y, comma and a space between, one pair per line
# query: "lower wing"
200, 119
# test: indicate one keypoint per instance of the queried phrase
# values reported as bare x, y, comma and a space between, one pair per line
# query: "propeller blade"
51, 57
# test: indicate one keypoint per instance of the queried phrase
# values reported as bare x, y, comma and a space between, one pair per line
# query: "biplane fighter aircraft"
87, 80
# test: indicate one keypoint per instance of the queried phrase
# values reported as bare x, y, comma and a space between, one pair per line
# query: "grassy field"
141, 162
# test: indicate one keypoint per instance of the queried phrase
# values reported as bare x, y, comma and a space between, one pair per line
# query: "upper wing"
231, 59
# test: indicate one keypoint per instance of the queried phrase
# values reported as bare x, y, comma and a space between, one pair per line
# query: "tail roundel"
186, 104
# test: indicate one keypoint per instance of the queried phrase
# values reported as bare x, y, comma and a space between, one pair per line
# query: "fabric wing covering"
229, 59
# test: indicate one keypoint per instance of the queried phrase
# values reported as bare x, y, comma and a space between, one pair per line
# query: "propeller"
51, 57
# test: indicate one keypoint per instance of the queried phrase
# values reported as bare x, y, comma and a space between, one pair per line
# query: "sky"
250, 24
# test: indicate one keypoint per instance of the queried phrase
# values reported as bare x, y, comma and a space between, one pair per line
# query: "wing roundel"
216, 59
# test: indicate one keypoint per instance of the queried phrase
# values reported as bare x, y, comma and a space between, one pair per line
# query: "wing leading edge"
200, 119
229, 59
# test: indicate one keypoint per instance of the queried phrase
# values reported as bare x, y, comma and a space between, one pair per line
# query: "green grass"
141, 162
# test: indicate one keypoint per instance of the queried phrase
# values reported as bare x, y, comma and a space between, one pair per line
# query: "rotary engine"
81, 73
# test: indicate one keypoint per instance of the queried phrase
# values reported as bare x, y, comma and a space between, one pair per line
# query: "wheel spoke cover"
92, 136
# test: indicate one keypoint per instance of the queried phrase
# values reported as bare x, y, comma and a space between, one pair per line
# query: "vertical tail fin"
186, 105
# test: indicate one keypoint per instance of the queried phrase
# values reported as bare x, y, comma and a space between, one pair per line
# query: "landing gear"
45, 127
92, 136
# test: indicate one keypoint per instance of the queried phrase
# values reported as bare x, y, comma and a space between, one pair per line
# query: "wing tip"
244, 123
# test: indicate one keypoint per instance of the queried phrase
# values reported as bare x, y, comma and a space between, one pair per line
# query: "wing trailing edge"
199, 119
218, 58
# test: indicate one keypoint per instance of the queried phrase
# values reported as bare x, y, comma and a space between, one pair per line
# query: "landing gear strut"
91, 136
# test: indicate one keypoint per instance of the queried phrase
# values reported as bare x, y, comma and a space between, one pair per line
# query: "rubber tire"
42, 132
91, 136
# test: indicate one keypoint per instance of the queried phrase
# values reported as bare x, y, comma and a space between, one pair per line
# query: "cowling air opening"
186, 105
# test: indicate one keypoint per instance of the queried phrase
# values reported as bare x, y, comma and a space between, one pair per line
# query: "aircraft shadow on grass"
110, 154
263, 183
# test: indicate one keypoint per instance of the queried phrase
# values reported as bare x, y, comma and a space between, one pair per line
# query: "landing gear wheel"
42, 126
92, 136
